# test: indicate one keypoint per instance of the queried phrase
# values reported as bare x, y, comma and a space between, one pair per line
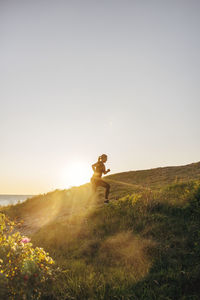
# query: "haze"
82, 78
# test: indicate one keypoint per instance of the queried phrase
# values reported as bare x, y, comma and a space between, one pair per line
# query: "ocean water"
13, 199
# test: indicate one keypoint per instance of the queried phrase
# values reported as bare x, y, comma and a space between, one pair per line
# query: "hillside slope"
156, 178
56, 205
143, 245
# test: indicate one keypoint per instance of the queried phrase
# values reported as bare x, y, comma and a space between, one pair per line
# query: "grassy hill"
144, 245
158, 177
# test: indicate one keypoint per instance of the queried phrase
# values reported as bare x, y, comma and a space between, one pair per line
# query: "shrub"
25, 271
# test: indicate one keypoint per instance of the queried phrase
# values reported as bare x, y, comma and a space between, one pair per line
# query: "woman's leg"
107, 190
100, 182
94, 186
106, 186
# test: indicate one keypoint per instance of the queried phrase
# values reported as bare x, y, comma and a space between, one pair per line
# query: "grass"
144, 245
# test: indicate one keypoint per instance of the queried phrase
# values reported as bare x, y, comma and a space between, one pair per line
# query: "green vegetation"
25, 272
144, 245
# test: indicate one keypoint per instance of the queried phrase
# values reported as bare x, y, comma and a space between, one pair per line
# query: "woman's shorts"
99, 182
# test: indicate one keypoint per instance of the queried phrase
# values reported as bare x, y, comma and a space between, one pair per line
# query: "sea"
13, 199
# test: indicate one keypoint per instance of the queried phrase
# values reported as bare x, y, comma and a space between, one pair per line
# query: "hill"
57, 205
143, 245
158, 177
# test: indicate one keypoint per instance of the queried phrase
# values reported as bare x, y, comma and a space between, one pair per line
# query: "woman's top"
98, 169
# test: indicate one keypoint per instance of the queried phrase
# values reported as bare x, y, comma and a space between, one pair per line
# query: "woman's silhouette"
99, 169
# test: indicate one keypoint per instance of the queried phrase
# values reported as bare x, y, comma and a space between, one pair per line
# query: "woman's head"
103, 158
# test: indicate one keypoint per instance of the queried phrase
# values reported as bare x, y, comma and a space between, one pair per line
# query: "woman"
99, 169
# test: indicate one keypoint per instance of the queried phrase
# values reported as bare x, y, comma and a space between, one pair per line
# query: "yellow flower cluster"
23, 268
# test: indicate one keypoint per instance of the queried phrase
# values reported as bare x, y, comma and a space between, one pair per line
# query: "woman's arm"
94, 166
106, 171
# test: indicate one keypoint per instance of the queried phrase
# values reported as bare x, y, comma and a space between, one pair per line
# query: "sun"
76, 173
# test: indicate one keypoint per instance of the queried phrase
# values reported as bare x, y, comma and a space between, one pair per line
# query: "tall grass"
143, 246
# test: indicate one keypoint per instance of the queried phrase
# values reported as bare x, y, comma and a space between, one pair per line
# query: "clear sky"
82, 78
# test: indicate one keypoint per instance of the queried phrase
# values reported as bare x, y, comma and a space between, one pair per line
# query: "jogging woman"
99, 169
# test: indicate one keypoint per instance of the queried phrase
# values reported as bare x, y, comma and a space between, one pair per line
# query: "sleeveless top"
99, 169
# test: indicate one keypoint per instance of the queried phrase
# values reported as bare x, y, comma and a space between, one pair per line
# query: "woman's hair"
102, 156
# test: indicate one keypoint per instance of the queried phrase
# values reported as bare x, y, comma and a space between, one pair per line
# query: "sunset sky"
82, 78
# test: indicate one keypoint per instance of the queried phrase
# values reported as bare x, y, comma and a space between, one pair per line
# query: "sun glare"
77, 173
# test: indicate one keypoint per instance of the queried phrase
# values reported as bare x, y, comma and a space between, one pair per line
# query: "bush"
25, 272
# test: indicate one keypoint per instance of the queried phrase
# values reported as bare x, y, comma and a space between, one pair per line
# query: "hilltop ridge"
156, 177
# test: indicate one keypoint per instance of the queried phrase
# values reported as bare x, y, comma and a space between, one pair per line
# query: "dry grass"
127, 250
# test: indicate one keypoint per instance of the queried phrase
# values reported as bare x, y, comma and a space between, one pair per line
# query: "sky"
82, 78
